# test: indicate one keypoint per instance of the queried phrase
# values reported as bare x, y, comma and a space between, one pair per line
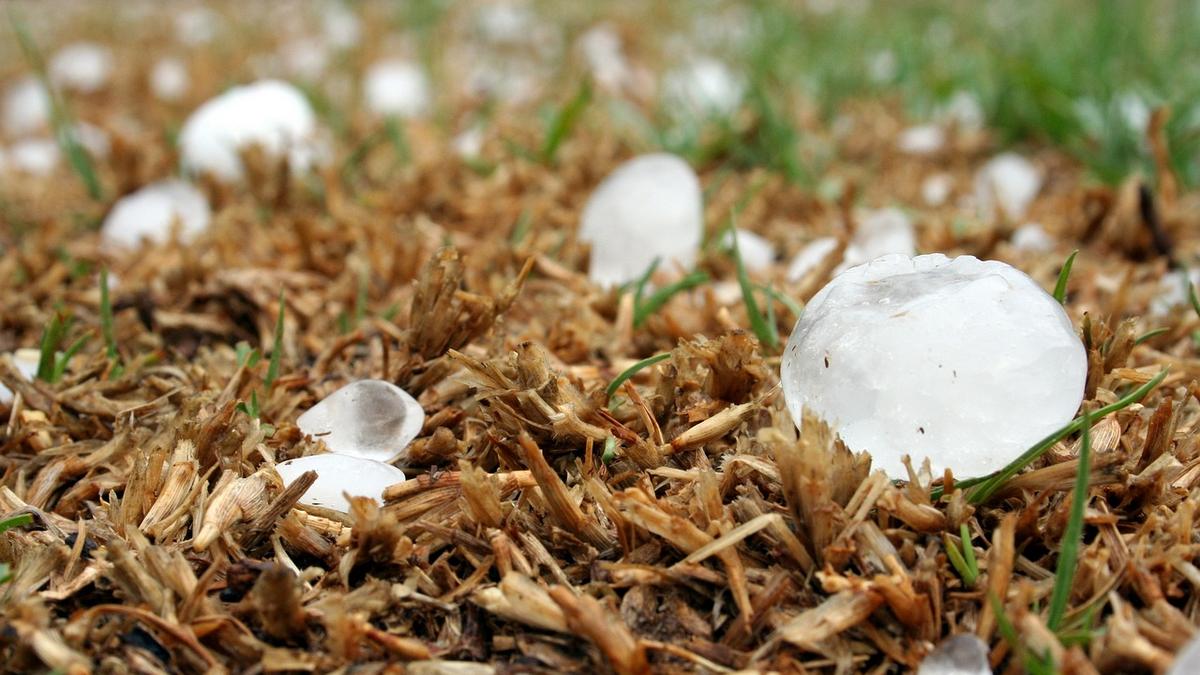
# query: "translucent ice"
704, 86
878, 233
756, 250
1032, 237
151, 212
82, 66
649, 207
270, 114
810, 256
397, 87
1008, 181
965, 361
963, 654
338, 474
371, 419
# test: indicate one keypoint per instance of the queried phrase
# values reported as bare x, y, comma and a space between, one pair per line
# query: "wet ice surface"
371, 419
648, 208
338, 474
270, 114
963, 654
153, 210
965, 361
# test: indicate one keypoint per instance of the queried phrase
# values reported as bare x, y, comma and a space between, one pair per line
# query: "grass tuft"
634, 370
645, 308
1060, 288
763, 325
564, 120
276, 347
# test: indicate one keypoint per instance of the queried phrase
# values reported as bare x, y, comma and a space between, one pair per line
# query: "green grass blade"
520, 228
957, 561
639, 286
1150, 334
16, 521
399, 138
634, 370
794, 307
5, 573
1064, 573
610, 450
60, 114
762, 326
106, 325
1060, 288
52, 337
1192, 293
964, 533
64, 359
564, 120
660, 297
276, 347
987, 486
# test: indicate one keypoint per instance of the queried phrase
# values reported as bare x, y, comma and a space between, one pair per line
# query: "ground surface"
677, 524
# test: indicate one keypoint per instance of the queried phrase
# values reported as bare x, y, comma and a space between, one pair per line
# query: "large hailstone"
338, 474
1008, 182
372, 419
649, 208
968, 362
271, 114
152, 211
397, 87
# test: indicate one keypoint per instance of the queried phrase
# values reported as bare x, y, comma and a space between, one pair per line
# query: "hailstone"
271, 114
925, 139
26, 107
169, 79
151, 212
1008, 182
807, 259
338, 474
1032, 237
82, 66
704, 86
964, 361
26, 361
649, 208
1187, 661
879, 232
372, 419
397, 87
963, 654
757, 252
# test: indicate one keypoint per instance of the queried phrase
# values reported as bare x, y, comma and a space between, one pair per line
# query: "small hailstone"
338, 474
965, 110
728, 292
340, 26
810, 256
963, 654
1173, 291
504, 22
271, 114
882, 66
469, 143
83, 66
397, 87
196, 25
649, 207
880, 232
26, 107
601, 48
372, 419
152, 211
1134, 111
757, 252
925, 139
1187, 660
935, 189
1009, 179
968, 362
34, 156
1032, 237
305, 58
26, 361
169, 79
704, 86
93, 139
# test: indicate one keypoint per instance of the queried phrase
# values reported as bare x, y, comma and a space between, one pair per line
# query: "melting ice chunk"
82, 66
648, 208
880, 232
963, 654
756, 250
151, 212
371, 419
338, 474
704, 86
270, 114
397, 87
925, 139
26, 107
1032, 237
169, 79
964, 361
26, 361
1008, 181
810, 256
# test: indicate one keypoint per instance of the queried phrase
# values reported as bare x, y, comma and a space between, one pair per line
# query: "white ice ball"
34, 156
271, 114
757, 252
704, 86
338, 475
372, 419
397, 87
82, 66
169, 79
1032, 237
964, 361
807, 259
877, 233
925, 139
649, 208
26, 361
152, 211
26, 107
1008, 182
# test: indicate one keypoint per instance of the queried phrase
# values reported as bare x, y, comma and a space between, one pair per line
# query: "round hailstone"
965, 110
1009, 181
271, 114
26, 107
371, 419
339, 474
968, 362
26, 361
169, 79
935, 189
810, 256
648, 208
963, 654
705, 86
83, 66
196, 25
1032, 237
758, 253
925, 139
397, 87
340, 26
878, 233
152, 211
1173, 291
34, 156
601, 48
